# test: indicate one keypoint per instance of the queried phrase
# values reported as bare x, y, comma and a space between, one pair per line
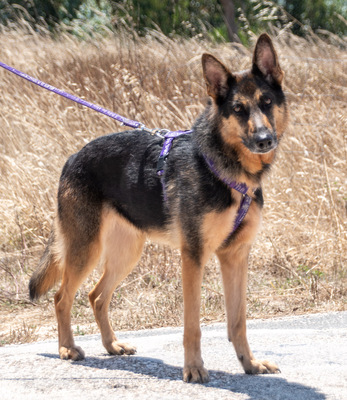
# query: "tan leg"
71, 281
123, 246
234, 263
192, 273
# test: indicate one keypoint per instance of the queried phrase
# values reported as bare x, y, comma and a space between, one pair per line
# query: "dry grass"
298, 262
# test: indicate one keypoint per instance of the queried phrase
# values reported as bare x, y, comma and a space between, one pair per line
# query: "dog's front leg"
234, 264
192, 273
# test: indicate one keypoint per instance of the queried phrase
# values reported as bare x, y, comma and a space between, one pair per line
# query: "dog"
110, 200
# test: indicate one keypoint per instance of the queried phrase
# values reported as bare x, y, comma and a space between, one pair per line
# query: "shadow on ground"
255, 386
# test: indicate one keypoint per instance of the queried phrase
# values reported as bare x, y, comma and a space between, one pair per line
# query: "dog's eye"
267, 101
237, 108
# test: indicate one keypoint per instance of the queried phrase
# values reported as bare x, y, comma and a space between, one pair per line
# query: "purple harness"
168, 136
240, 187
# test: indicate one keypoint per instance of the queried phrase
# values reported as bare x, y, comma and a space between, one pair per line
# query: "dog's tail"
48, 271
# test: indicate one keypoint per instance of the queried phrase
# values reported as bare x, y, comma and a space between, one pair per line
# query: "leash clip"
154, 132
159, 132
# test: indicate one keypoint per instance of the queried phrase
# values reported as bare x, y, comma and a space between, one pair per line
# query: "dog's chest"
218, 225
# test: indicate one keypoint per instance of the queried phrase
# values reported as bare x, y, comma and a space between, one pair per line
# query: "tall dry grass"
298, 262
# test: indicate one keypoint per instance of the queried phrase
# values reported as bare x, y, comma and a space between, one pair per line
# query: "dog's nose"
264, 141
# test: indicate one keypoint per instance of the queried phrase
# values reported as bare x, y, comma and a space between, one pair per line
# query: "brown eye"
237, 108
267, 101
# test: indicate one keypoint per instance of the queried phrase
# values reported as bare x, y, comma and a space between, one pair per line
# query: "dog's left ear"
217, 77
265, 60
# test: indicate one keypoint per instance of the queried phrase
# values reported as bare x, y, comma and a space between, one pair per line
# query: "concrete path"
311, 351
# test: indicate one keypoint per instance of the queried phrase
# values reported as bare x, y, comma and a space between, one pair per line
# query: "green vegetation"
219, 20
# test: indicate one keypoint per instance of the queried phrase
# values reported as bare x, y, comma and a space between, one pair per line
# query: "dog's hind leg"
73, 276
79, 247
122, 248
234, 262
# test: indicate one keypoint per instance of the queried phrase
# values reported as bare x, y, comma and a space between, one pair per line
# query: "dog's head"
250, 105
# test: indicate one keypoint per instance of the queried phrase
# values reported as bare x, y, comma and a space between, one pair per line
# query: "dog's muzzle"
262, 142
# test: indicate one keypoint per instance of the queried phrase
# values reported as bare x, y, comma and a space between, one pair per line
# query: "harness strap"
168, 139
240, 187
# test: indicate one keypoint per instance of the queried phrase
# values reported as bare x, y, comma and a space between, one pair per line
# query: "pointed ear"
216, 75
265, 60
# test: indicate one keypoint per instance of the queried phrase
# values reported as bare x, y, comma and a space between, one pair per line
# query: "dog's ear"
265, 60
216, 75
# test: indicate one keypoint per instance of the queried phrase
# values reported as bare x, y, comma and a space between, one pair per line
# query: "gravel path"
311, 351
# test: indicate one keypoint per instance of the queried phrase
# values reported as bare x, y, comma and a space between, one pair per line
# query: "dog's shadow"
256, 387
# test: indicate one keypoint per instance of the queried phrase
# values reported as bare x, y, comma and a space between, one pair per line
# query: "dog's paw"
74, 353
195, 374
118, 348
262, 367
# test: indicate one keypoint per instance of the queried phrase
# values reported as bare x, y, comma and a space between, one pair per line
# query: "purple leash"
168, 140
119, 118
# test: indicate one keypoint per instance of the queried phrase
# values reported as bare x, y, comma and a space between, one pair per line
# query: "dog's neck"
231, 163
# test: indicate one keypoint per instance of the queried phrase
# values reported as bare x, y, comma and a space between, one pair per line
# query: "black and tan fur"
110, 200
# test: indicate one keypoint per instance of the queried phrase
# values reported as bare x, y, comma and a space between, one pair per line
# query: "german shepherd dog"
110, 200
